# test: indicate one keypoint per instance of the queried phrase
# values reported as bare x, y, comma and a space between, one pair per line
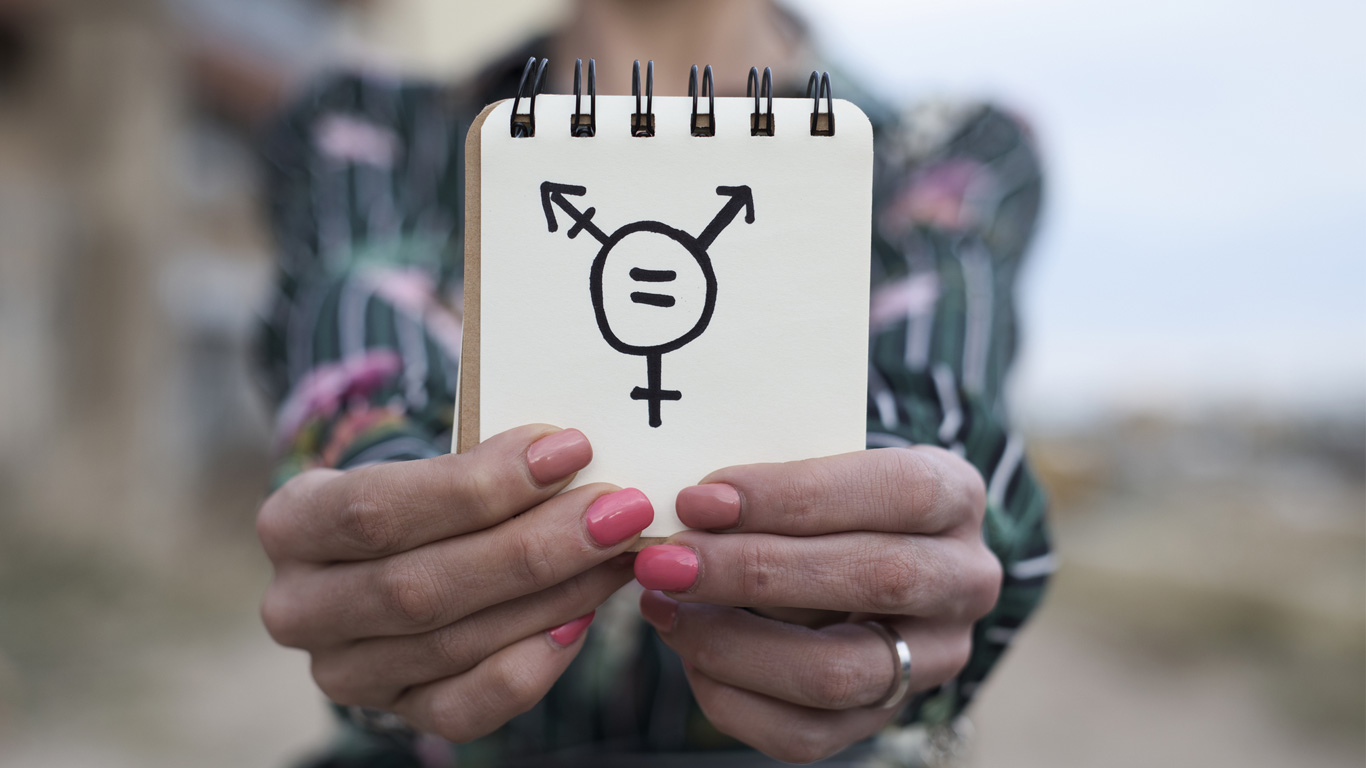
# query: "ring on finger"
378, 721
901, 664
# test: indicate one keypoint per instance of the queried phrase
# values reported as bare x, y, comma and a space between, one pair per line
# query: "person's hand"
892, 534
451, 591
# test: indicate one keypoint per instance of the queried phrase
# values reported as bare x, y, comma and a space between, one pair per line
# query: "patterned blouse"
361, 348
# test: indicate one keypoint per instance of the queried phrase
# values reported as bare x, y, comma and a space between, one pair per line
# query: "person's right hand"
452, 591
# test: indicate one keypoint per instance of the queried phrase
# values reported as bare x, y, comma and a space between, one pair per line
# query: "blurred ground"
1209, 610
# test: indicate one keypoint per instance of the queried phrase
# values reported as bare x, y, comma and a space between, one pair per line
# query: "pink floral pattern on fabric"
361, 421
911, 296
322, 392
941, 195
413, 292
347, 138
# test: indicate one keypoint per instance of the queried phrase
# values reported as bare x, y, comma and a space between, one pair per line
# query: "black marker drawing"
653, 282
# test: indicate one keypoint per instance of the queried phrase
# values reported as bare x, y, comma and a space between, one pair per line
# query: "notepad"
688, 302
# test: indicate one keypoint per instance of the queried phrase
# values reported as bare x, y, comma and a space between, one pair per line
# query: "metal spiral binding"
703, 125
524, 126
585, 125
760, 124
643, 124
822, 124
581, 125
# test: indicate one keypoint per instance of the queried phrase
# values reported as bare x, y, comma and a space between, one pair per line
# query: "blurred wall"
443, 38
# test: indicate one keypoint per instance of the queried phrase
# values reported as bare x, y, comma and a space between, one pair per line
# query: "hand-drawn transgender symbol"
648, 242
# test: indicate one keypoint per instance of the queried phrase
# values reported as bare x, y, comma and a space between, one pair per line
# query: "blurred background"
1193, 379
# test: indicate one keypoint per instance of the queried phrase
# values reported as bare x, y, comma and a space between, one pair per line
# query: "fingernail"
709, 507
687, 665
566, 635
659, 609
618, 516
666, 566
555, 456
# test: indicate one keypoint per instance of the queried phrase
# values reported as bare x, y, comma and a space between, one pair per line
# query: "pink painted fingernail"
566, 635
666, 566
555, 456
709, 507
618, 516
659, 609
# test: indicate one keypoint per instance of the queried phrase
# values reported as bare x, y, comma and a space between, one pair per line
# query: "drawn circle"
692, 256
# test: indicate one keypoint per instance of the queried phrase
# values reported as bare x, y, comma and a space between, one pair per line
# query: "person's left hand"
892, 534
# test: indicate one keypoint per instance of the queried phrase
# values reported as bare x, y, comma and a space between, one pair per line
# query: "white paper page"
779, 370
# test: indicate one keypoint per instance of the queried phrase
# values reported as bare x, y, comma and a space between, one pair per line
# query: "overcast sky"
1203, 240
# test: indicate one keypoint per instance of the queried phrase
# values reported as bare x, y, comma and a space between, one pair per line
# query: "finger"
841, 666
372, 512
879, 573
372, 673
894, 490
784, 731
465, 707
432, 586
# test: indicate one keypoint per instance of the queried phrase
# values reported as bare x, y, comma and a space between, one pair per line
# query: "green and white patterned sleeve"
358, 349
957, 194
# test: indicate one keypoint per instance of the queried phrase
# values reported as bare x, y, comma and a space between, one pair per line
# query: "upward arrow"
553, 194
741, 198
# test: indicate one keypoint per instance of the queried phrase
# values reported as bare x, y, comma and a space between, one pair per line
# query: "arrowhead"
547, 190
743, 194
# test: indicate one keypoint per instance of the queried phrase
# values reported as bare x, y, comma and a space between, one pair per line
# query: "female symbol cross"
646, 332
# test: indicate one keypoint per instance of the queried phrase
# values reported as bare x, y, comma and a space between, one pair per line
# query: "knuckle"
534, 559
278, 519
893, 579
483, 493
838, 682
331, 679
959, 489
798, 492
270, 528
974, 489
410, 593
459, 651
273, 520
988, 580
960, 652
978, 584
883, 486
449, 719
367, 522
707, 655
578, 593
928, 484
519, 687
279, 617
757, 573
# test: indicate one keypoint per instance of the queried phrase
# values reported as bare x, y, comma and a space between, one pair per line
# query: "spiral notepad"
683, 279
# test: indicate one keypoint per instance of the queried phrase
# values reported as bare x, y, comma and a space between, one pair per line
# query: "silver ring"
378, 721
901, 664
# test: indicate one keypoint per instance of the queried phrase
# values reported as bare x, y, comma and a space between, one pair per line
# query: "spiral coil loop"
643, 124
703, 125
822, 124
581, 125
523, 126
760, 124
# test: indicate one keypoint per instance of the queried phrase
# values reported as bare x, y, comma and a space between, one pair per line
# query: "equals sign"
653, 276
